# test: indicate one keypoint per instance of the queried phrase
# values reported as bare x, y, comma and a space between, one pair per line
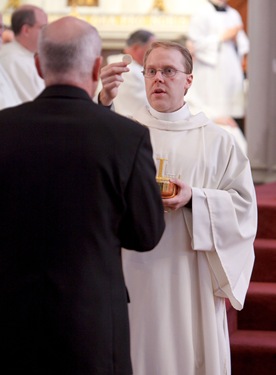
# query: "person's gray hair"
75, 55
187, 57
140, 36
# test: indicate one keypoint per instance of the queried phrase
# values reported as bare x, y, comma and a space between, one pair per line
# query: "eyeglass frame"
162, 72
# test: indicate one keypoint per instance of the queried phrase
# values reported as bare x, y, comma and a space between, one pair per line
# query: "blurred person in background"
218, 43
8, 94
7, 35
17, 57
131, 94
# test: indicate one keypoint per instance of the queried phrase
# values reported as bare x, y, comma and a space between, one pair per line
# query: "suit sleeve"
143, 223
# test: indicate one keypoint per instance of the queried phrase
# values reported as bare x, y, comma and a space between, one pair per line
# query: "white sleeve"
224, 224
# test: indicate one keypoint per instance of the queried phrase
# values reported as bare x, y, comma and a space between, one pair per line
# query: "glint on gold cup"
167, 188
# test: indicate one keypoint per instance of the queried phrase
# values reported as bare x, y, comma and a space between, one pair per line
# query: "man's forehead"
164, 55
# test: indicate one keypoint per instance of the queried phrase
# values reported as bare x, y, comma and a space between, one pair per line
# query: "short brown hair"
22, 16
187, 57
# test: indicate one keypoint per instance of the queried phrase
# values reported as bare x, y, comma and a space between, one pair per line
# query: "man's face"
33, 31
166, 94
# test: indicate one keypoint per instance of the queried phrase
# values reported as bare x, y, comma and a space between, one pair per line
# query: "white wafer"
127, 59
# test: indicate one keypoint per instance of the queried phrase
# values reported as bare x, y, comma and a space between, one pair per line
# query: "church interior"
252, 330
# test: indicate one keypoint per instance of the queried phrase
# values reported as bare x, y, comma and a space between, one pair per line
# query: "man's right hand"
111, 77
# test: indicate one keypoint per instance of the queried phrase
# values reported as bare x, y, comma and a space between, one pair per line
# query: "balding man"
17, 57
77, 183
8, 95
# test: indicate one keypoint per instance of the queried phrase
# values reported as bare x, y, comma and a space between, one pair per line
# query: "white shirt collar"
181, 114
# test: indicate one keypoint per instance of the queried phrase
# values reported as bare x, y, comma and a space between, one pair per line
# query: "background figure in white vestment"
131, 94
8, 95
17, 57
219, 44
177, 292
226, 122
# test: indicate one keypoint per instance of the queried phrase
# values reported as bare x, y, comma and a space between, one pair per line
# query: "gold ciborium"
167, 188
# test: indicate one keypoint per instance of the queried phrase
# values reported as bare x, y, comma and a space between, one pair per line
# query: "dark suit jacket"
77, 183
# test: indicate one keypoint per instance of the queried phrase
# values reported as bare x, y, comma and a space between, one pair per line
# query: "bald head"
69, 49
67, 28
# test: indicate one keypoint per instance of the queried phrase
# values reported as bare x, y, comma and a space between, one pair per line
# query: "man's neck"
218, 2
218, 7
23, 43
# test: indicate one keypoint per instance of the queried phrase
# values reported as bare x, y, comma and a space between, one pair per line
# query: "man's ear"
37, 65
25, 29
190, 80
97, 68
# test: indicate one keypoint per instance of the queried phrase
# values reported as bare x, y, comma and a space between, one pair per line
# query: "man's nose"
159, 75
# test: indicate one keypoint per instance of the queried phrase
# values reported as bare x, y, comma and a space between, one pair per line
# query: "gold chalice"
167, 188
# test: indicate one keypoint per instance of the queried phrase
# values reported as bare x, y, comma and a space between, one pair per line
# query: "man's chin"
159, 105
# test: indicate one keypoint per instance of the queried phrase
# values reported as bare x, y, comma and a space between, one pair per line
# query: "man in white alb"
17, 57
8, 95
219, 44
178, 291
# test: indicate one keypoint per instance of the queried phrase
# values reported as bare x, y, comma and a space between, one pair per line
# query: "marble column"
261, 107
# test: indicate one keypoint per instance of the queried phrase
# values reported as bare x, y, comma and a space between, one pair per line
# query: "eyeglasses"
168, 72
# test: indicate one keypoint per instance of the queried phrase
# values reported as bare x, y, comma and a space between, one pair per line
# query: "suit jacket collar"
64, 91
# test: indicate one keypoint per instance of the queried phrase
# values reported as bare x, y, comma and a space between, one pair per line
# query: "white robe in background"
195, 107
8, 95
19, 65
218, 85
177, 291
